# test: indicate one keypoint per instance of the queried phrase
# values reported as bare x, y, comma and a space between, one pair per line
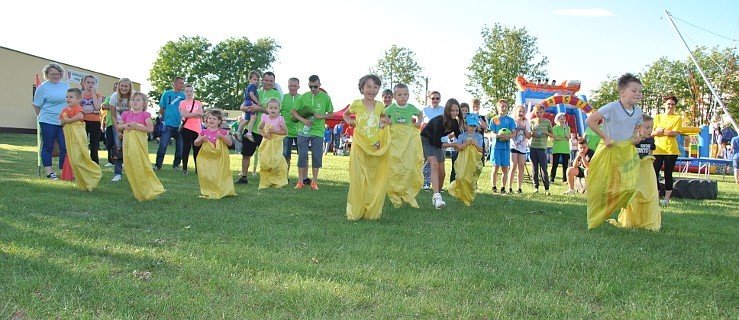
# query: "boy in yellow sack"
643, 211
614, 168
469, 162
406, 152
86, 172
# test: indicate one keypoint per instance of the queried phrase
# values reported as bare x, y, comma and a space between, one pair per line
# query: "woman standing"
48, 102
192, 115
666, 127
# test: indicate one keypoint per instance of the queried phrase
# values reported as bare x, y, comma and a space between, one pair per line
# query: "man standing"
319, 103
288, 101
501, 152
249, 147
169, 108
429, 113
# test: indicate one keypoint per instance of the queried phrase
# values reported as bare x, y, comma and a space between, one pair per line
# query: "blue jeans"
49, 133
169, 132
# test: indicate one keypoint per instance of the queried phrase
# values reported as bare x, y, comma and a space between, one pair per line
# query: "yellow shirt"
667, 145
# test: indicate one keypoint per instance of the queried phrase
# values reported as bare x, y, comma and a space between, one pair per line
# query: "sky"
340, 40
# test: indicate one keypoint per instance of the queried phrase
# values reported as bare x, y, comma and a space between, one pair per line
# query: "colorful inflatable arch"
556, 99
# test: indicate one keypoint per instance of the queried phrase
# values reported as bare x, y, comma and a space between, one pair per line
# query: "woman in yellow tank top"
666, 127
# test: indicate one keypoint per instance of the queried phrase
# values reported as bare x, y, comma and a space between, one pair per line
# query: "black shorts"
580, 172
248, 148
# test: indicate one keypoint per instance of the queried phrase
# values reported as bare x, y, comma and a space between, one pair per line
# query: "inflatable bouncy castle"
556, 98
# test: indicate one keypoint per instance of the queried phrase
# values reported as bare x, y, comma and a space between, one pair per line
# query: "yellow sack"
368, 176
468, 168
87, 173
406, 155
611, 180
144, 183
214, 171
643, 211
273, 168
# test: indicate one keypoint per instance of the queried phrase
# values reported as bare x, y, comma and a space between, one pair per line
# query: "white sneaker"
116, 178
569, 191
664, 202
436, 200
109, 164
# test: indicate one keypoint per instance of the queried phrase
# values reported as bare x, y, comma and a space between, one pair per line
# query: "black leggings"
556, 161
188, 137
669, 162
93, 130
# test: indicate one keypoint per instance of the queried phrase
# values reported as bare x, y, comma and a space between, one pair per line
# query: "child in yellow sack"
613, 170
214, 164
469, 162
643, 212
86, 172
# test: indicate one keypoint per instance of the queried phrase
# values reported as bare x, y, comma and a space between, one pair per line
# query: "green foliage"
219, 73
399, 65
504, 54
682, 79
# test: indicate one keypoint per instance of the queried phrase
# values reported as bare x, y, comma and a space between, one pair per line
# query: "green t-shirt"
109, 120
402, 115
542, 126
320, 103
561, 146
264, 96
288, 102
592, 138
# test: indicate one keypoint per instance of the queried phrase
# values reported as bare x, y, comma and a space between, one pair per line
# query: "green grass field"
292, 254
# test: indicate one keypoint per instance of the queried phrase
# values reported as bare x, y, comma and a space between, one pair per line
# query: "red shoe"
314, 186
300, 185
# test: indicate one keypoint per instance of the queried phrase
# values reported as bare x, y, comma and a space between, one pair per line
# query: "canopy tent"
338, 117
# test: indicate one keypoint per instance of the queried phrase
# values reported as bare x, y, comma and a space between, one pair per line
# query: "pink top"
130, 117
270, 123
194, 123
213, 135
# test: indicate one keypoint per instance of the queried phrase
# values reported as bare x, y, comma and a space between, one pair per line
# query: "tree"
181, 58
504, 54
399, 65
605, 93
219, 73
231, 61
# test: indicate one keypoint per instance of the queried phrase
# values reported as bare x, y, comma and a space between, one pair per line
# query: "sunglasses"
313, 87
435, 98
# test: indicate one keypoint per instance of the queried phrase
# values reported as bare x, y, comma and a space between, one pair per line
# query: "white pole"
700, 70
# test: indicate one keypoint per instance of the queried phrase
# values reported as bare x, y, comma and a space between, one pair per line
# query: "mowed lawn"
284, 253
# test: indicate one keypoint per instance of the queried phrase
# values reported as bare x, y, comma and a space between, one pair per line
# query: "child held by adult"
643, 212
214, 165
406, 152
135, 125
433, 147
469, 161
368, 162
86, 172
273, 168
251, 97
614, 170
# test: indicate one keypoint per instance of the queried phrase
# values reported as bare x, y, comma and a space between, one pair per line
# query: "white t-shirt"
618, 123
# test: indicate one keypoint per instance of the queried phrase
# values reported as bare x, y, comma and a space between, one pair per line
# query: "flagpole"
700, 70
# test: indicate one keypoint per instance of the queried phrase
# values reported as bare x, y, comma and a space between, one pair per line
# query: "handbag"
182, 125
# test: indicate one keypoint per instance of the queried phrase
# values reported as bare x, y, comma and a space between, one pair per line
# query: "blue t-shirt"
51, 98
170, 102
476, 136
735, 147
327, 135
247, 98
505, 122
